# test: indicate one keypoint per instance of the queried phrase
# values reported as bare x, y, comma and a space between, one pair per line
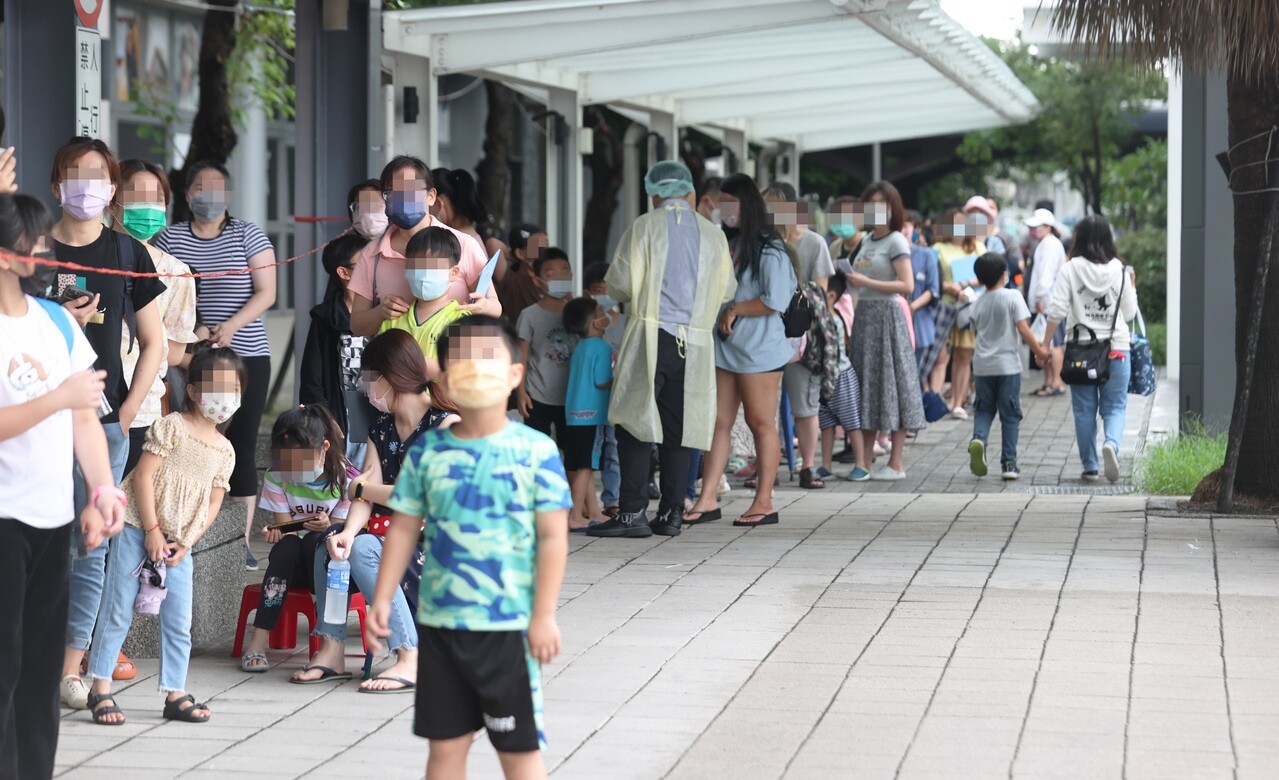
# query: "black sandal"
97, 712
709, 516
173, 710
809, 481
771, 518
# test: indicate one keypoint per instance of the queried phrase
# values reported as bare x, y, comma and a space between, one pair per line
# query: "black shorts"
579, 447
543, 417
469, 680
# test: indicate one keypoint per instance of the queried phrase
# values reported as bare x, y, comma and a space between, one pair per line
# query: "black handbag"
1088, 362
798, 317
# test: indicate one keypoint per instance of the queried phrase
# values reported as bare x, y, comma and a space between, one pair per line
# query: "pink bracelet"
111, 490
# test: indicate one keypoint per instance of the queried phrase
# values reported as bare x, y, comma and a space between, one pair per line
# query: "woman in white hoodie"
1086, 293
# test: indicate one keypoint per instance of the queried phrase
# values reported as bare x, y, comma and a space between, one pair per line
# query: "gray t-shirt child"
549, 350
995, 316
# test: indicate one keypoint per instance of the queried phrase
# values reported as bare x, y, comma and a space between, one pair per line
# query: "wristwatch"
358, 494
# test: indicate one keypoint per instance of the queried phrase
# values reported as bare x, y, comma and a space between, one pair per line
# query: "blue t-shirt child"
590, 367
479, 499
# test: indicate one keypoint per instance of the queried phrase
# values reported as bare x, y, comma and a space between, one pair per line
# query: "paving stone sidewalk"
868, 635
937, 459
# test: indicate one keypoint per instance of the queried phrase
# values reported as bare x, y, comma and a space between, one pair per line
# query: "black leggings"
243, 430
291, 564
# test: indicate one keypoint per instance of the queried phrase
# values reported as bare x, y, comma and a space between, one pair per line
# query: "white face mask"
717, 218
559, 288
370, 224
218, 407
303, 477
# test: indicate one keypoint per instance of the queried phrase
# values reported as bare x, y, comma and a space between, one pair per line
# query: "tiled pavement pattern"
937, 460
866, 636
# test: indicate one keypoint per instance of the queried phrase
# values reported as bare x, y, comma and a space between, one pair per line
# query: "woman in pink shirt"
380, 286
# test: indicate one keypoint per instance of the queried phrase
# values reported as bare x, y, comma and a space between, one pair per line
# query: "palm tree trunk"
1254, 428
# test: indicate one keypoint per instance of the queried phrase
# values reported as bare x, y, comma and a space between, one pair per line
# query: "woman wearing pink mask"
397, 386
86, 180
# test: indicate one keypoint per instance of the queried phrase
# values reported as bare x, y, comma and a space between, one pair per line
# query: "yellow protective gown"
635, 277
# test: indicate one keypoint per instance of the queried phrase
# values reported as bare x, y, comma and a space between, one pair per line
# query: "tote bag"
1143, 380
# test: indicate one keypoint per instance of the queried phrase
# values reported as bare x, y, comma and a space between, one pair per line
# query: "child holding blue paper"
430, 266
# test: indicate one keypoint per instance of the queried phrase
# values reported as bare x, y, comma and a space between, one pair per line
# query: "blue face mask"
427, 284
843, 231
559, 288
406, 209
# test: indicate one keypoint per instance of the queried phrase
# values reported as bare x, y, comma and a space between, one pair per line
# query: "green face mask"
843, 231
143, 220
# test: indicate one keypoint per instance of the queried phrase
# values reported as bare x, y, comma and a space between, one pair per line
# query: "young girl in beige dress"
173, 497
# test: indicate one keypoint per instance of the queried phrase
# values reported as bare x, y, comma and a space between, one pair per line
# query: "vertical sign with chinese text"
88, 83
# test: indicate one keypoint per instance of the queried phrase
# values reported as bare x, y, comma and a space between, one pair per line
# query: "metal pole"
876, 161
376, 111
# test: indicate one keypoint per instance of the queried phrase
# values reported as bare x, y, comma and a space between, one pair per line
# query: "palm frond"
1238, 36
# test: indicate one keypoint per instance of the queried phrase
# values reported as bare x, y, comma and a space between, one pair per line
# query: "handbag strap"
1123, 277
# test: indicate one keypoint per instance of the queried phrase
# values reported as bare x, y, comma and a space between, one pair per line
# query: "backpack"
125, 258
59, 317
821, 354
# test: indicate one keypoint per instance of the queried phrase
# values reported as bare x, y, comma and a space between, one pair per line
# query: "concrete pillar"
564, 208
420, 138
786, 164
663, 124
632, 176
249, 161
1176, 132
1207, 378
735, 142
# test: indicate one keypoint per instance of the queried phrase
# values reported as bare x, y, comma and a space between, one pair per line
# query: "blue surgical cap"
668, 179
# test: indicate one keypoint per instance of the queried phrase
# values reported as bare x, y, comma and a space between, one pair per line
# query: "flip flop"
1056, 391
1041, 392
326, 675
771, 518
405, 686
709, 516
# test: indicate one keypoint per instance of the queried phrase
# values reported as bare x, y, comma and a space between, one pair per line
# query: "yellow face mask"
479, 384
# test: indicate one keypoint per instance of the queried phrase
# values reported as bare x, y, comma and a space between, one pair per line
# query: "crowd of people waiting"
144, 389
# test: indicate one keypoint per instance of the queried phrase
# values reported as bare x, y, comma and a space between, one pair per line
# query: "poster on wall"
128, 53
156, 65
187, 36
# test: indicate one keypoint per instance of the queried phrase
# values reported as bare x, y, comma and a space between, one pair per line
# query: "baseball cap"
1041, 217
978, 203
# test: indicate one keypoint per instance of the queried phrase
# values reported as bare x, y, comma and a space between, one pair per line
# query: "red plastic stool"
285, 634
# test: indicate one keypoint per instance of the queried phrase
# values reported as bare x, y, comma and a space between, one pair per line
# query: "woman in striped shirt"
231, 307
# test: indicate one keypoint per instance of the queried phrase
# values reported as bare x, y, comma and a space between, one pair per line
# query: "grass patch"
1157, 332
1176, 466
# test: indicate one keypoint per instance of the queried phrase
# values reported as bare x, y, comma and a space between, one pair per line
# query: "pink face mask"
85, 199
382, 402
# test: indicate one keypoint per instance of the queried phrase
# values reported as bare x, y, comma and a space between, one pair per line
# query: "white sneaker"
724, 487
74, 693
1110, 461
959, 413
887, 474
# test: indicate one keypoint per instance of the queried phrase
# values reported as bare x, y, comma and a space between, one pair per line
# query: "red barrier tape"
147, 275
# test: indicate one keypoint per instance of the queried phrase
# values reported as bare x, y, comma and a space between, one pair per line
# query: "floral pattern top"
390, 455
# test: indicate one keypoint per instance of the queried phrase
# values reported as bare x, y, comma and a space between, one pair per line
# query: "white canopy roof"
820, 74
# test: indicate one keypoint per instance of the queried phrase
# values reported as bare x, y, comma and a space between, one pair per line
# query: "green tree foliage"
1136, 187
1086, 117
265, 35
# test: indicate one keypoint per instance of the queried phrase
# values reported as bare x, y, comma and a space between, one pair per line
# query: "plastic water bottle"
335, 596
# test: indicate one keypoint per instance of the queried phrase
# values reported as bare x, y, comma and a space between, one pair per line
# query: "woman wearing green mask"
140, 212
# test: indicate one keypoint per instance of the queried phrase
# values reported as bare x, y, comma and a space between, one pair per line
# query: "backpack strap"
126, 261
60, 318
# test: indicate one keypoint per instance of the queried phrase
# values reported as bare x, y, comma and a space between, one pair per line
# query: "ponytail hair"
308, 427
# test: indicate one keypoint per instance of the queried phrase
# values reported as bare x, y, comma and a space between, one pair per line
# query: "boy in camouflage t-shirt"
495, 502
